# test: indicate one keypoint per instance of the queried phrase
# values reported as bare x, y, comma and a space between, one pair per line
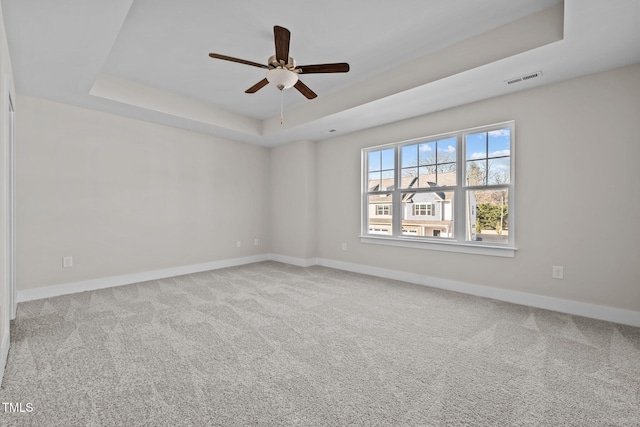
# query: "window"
383, 209
450, 192
423, 209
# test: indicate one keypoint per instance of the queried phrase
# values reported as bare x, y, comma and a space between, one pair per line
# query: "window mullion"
365, 191
460, 228
396, 221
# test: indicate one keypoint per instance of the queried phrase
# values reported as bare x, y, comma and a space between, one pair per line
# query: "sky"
482, 145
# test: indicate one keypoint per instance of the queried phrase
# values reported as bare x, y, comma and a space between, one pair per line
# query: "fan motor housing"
273, 62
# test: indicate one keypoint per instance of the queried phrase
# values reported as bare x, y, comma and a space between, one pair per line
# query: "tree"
490, 216
476, 175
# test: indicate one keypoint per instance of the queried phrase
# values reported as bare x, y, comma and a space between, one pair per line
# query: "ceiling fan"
282, 69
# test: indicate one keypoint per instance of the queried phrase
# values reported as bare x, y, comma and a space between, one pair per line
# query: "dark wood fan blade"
238, 60
256, 87
304, 89
282, 36
341, 67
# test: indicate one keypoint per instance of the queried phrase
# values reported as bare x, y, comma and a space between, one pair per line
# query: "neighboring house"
427, 208
424, 213
427, 214
380, 212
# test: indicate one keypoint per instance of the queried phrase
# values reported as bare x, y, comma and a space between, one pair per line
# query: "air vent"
524, 78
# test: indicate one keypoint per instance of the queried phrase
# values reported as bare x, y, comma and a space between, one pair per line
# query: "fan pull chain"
281, 107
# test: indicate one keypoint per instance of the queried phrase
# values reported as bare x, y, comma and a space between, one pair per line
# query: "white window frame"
459, 242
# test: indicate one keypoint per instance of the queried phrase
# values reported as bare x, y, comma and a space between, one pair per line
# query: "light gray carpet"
270, 344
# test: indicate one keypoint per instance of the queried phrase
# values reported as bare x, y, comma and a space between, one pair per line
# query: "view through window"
454, 188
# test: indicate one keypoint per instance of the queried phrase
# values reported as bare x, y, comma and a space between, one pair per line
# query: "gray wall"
577, 204
293, 200
124, 196
6, 88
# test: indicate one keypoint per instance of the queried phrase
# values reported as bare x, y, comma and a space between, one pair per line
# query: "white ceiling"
148, 59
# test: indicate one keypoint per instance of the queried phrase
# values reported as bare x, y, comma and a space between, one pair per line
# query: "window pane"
388, 159
428, 153
374, 161
381, 170
427, 176
410, 178
476, 172
380, 214
388, 180
374, 181
487, 216
428, 214
476, 146
447, 150
499, 171
409, 156
446, 174
499, 142
435, 161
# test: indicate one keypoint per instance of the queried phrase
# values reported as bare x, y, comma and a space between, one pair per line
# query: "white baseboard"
127, 279
4, 353
300, 262
594, 311
611, 314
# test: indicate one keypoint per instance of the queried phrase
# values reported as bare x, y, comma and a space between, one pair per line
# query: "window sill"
446, 246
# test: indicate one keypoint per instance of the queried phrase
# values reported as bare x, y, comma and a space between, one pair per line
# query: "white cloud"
500, 153
450, 149
425, 147
500, 132
497, 153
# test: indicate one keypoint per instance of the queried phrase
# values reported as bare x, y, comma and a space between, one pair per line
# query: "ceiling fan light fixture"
282, 78
283, 72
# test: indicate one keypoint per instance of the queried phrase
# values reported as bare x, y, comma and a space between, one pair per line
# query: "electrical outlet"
238, 243
557, 272
256, 242
344, 246
67, 261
